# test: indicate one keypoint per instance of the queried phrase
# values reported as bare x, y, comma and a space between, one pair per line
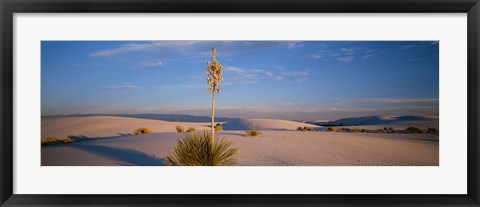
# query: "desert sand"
278, 145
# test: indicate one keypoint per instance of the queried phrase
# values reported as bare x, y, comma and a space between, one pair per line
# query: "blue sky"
310, 80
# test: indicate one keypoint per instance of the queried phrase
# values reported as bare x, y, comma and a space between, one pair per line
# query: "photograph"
239, 103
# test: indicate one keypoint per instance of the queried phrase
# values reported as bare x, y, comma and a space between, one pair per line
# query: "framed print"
265, 103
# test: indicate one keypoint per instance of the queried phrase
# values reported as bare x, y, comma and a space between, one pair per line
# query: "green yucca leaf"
197, 149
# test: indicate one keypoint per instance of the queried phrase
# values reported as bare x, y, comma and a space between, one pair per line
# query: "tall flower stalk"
214, 77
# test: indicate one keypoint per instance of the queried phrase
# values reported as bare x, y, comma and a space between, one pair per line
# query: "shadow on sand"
122, 155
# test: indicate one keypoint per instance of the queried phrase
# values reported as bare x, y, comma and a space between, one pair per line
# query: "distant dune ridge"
108, 126
386, 120
264, 124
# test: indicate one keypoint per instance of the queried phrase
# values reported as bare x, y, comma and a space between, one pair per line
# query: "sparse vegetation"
191, 129
432, 130
389, 130
142, 131
54, 140
413, 130
305, 128
331, 129
49, 140
67, 140
197, 149
218, 127
253, 132
180, 128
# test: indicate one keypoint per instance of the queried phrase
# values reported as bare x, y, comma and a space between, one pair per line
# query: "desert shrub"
305, 128
191, 129
218, 127
389, 130
253, 133
413, 130
379, 131
180, 128
67, 140
363, 130
331, 129
49, 140
142, 131
54, 140
197, 149
432, 130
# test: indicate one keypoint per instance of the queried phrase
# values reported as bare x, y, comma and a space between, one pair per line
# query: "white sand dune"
273, 148
108, 126
276, 146
265, 124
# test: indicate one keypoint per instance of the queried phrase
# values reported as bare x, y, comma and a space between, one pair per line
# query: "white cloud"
407, 46
136, 47
149, 64
348, 51
397, 100
122, 86
294, 45
346, 59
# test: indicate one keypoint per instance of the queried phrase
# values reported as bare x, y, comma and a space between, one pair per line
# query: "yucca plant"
198, 149
214, 77
253, 132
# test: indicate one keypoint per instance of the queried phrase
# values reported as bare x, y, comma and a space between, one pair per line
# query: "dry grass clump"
253, 133
67, 140
347, 130
53, 140
432, 130
49, 140
389, 130
413, 130
191, 129
331, 129
218, 127
305, 128
180, 128
142, 131
199, 150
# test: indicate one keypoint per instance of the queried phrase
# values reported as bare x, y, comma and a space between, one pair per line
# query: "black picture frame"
9, 7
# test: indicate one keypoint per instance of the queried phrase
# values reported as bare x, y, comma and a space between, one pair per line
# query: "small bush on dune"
253, 133
218, 127
413, 130
179, 128
305, 128
54, 140
432, 130
199, 150
191, 129
389, 130
67, 140
331, 129
49, 140
142, 131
